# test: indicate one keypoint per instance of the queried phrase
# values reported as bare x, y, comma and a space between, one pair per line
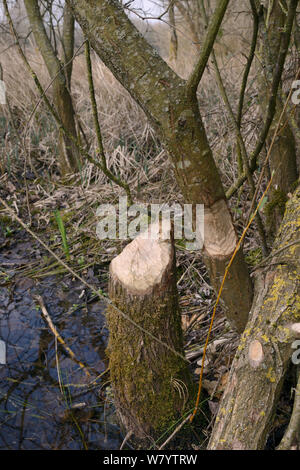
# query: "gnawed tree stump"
265, 350
152, 385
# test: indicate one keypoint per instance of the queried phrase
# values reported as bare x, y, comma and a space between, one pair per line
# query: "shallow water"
45, 399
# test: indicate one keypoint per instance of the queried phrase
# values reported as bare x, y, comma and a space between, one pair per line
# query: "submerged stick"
57, 335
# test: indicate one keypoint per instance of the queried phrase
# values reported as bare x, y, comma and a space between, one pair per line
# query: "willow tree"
172, 107
60, 73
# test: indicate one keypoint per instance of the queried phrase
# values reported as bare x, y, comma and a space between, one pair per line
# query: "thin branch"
256, 16
175, 432
269, 152
43, 42
57, 335
240, 140
190, 21
174, 39
263, 264
276, 79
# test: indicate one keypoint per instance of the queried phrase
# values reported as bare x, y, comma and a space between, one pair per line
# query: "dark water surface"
47, 401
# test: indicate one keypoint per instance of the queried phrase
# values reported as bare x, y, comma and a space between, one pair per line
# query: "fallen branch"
53, 328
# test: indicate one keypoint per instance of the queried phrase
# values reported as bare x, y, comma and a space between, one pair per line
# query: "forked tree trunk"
69, 156
175, 115
152, 384
265, 350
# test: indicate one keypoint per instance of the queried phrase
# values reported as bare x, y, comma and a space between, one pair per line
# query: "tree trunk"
265, 350
176, 117
283, 157
69, 156
152, 385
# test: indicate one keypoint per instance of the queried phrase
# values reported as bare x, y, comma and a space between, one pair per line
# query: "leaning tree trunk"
69, 156
151, 382
265, 350
291, 438
174, 113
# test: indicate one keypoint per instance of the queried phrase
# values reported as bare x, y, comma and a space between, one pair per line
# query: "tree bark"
283, 157
152, 385
265, 350
68, 42
175, 115
69, 156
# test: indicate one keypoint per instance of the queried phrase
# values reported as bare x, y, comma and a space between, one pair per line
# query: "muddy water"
47, 401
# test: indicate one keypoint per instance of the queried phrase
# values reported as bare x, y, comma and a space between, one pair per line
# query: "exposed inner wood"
219, 235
